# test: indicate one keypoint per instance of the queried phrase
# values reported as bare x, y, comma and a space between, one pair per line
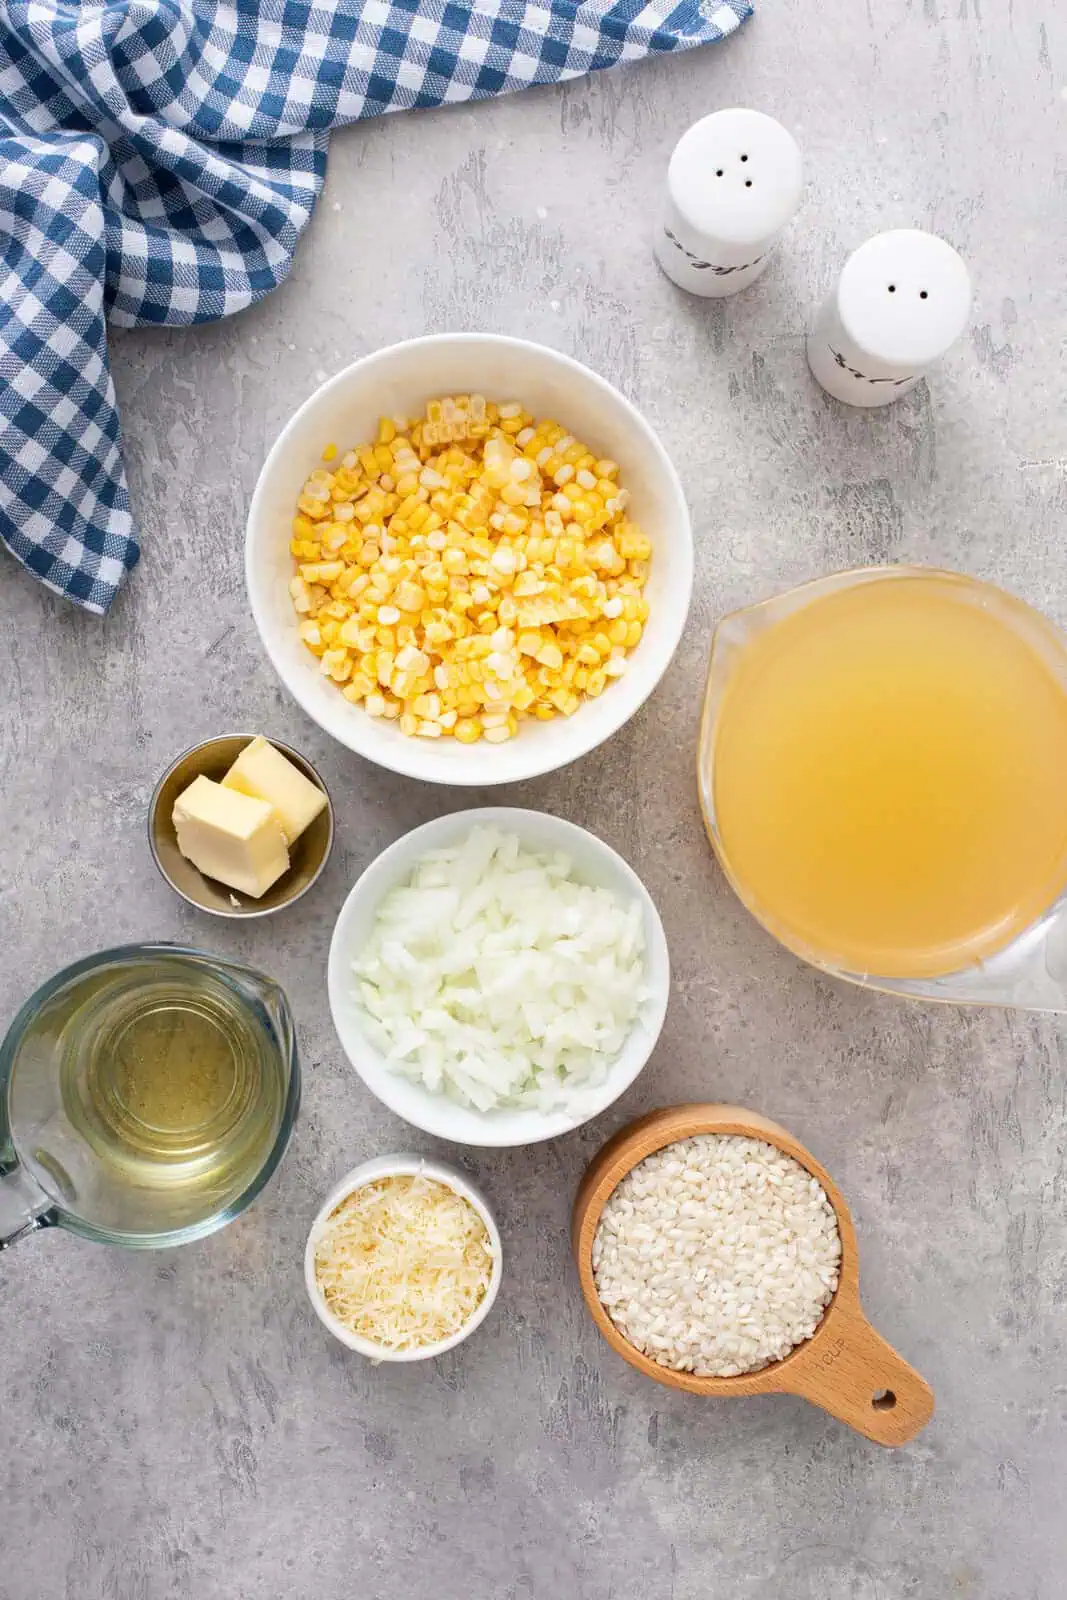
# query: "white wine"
173, 1084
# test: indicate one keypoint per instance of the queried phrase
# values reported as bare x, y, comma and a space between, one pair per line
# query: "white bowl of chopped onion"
406, 1249
499, 976
401, 380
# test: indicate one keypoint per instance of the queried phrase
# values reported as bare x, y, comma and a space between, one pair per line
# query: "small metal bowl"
213, 759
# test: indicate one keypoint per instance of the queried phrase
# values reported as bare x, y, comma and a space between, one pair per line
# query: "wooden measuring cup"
845, 1367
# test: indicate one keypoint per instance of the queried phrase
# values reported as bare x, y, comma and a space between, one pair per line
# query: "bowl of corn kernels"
469, 558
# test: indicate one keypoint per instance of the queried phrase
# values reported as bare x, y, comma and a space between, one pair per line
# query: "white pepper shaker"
902, 299
733, 183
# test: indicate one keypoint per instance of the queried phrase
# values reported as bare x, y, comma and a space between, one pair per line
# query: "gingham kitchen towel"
160, 159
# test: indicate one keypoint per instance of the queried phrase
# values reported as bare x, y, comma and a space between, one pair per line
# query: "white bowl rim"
403, 1164
623, 706
387, 1087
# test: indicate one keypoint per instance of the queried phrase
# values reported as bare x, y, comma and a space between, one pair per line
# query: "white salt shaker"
733, 183
902, 299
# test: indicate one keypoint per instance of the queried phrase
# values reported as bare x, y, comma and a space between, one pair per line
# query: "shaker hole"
744, 158
923, 295
892, 288
883, 1400
718, 172
748, 183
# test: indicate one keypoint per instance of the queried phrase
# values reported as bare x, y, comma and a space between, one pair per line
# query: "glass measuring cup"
1018, 959
147, 1094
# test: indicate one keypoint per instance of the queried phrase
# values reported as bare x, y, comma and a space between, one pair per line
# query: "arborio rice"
716, 1255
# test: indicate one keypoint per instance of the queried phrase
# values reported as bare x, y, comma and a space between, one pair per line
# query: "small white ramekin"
399, 1166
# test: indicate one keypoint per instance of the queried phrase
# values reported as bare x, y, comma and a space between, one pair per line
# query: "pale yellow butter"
264, 773
230, 836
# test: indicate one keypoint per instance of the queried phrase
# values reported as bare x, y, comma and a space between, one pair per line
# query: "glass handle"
23, 1206
705, 744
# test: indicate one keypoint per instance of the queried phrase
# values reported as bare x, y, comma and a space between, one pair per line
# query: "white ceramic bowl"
595, 863
395, 1167
401, 379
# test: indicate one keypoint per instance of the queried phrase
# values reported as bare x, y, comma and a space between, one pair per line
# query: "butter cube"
230, 836
265, 774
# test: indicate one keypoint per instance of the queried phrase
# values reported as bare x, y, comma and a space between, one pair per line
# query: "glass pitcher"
784, 647
147, 1094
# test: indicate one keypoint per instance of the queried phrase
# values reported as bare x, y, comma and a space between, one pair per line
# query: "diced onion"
495, 977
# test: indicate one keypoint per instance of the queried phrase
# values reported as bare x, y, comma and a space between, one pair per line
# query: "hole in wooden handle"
849, 1370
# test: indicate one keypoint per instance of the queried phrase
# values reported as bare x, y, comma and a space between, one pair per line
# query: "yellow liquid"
890, 775
172, 1090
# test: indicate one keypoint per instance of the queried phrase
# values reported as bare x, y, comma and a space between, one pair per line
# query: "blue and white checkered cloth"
159, 160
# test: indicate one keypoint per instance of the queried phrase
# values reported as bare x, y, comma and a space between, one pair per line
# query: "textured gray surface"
178, 1425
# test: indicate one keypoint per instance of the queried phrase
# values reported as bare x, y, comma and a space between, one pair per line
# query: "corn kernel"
503, 561
411, 659
321, 571
409, 596
359, 686
337, 664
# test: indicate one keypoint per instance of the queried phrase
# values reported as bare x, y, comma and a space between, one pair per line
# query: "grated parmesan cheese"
404, 1262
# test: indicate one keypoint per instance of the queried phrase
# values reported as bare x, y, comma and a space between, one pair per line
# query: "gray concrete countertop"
179, 1425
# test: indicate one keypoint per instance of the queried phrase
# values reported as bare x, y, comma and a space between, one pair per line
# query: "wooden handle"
850, 1371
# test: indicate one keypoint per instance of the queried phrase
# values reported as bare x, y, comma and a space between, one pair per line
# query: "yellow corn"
486, 572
